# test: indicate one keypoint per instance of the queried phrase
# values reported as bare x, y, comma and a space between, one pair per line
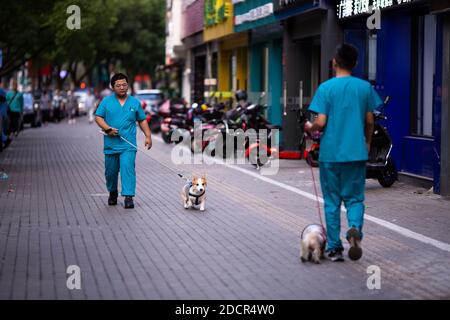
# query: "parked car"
31, 110
151, 100
81, 98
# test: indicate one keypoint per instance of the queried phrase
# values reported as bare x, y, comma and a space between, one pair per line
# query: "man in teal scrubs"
117, 115
345, 107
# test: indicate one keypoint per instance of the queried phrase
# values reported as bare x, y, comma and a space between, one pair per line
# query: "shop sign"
350, 8
216, 12
254, 14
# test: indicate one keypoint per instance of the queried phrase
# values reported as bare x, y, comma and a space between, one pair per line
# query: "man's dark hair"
118, 76
346, 56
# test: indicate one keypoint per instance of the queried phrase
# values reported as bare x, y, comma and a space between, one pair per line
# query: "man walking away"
117, 115
14, 99
344, 105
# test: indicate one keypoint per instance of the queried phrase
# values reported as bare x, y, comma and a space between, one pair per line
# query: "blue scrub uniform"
119, 155
343, 151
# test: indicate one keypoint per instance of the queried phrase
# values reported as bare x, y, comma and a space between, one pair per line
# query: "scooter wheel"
389, 175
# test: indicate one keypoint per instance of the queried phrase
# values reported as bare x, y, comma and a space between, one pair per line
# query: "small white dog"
313, 243
193, 193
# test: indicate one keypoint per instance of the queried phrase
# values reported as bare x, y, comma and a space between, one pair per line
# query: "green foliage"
131, 31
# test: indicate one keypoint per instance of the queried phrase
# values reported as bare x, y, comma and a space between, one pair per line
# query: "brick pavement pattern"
54, 213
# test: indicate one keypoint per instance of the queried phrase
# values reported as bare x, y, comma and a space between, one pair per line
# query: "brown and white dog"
193, 193
313, 243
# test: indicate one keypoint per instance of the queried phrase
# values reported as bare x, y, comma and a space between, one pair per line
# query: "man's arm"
370, 125
148, 134
102, 124
318, 124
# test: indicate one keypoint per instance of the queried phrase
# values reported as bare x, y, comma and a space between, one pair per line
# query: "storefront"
265, 52
227, 51
404, 60
192, 36
311, 34
442, 11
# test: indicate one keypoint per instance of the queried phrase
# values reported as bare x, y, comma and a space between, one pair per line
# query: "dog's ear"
204, 179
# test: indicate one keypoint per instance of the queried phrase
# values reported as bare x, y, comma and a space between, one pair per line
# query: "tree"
130, 31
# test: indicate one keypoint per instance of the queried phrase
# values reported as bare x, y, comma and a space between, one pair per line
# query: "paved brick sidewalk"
53, 214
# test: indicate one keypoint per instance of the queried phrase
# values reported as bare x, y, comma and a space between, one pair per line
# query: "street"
54, 214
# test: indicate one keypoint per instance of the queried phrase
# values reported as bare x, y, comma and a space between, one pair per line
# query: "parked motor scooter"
381, 166
175, 120
258, 149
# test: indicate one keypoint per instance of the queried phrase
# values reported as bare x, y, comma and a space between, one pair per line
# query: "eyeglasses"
121, 85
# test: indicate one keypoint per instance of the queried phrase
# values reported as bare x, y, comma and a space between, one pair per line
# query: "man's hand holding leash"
112, 132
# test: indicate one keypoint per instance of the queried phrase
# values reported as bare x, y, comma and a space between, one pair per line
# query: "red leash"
318, 203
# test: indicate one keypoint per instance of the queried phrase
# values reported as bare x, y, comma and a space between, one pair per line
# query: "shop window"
372, 57
423, 75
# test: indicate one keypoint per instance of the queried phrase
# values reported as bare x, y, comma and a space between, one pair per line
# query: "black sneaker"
335, 255
112, 200
354, 238
129, 204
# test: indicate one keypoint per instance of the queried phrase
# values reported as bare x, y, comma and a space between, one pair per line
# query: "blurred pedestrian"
345, 107
90, 105
56, 106
46, 105
71, 107
14, 99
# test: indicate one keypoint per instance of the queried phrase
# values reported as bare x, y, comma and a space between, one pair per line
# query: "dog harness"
196, 196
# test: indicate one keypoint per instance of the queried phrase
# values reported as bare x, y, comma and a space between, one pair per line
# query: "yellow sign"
216, 11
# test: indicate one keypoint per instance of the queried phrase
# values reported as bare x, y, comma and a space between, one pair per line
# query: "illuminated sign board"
254, 14
350, 8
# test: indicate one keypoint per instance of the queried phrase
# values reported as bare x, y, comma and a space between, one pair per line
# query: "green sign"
215, 12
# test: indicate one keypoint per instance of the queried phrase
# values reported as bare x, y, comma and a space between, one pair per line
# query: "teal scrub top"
122, 118
15, 101
345, 101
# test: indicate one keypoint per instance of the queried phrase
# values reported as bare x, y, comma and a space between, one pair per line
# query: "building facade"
265, 34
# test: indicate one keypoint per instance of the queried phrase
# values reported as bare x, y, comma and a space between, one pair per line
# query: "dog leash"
317, 202
147, 155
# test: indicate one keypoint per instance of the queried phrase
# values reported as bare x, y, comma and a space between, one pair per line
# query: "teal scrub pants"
125, 163
342, 182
